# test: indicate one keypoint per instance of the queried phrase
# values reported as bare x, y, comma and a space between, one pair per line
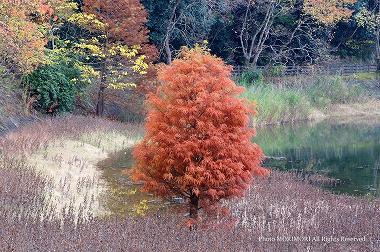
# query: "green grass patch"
366, 76
289, 102
278, 105
328, 90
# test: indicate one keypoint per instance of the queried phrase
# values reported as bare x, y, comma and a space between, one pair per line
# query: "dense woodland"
83, 55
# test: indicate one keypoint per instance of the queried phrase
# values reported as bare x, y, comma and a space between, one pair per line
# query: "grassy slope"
279, 207
291, 99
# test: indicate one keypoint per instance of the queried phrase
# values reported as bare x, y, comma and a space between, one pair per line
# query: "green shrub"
251, 76
276, 71
54, 85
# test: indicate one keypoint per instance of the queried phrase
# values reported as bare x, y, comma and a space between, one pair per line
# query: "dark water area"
124, 196
348, 152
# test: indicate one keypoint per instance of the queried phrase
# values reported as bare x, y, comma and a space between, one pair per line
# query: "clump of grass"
21, 190
278, 105
292, 99
326, 90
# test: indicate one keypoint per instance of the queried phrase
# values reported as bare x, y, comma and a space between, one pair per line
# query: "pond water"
346, 151
124, 196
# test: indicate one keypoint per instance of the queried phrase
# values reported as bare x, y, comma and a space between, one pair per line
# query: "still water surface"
347, 151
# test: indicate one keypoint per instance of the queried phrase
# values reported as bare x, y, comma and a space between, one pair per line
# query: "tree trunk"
247, 61
251, 63
102, 88
168, 51
100, 103
254, 61
194, 206
169, 31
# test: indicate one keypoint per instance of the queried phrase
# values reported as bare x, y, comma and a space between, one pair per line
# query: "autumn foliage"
198, 142
329, 11
125, 21
22, 40
120, 42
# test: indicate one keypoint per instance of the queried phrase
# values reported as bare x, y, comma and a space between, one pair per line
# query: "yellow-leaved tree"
106, 47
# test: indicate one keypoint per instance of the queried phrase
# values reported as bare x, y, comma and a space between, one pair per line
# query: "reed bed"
39, 134
59, 158
278, 213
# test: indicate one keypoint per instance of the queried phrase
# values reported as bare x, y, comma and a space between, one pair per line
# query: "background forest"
61, 56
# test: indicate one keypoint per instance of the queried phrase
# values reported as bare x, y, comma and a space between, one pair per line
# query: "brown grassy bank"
279, 213
369, 108
64, 152
349, 111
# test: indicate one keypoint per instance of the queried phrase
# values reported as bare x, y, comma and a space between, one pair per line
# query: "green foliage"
278, 105
55, 85
251, 77
328, 90
366, 76
276, 71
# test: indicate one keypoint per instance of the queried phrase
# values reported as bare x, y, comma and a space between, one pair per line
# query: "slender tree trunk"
169, 31
100, 103
101, 92
378, 48
168, 51
194, 206
254, 61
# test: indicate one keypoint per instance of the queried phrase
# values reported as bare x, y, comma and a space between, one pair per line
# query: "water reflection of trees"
350, 152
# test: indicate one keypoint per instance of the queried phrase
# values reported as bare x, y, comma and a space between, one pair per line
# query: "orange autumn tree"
198, 142
329, 12
23, 28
